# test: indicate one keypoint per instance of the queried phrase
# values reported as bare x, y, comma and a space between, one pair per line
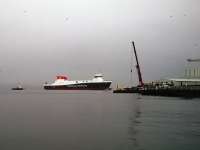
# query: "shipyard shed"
185, 82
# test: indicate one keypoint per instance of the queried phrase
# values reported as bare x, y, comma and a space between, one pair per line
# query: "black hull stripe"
84, 86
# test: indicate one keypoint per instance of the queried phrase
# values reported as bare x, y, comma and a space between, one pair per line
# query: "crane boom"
138, 67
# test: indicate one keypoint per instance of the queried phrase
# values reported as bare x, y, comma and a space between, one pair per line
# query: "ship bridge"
98, 78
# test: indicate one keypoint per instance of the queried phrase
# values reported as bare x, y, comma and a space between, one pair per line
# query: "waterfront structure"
185, 82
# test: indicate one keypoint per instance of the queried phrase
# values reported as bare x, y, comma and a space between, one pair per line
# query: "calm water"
72, 120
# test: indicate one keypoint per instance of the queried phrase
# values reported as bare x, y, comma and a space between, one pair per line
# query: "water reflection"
134, 123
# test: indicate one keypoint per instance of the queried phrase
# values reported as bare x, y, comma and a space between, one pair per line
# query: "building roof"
185, 80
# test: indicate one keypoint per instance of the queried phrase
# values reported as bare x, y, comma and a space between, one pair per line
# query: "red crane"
141, 84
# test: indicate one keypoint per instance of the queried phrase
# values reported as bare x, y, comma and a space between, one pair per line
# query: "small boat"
19, 87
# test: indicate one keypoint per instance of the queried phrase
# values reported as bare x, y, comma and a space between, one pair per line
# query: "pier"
187, 86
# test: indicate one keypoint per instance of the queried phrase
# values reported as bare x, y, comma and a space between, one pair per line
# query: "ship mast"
141, 84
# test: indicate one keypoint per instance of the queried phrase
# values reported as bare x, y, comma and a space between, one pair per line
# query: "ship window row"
81, 81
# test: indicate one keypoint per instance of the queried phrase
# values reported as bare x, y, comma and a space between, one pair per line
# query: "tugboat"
62, 83
19, 87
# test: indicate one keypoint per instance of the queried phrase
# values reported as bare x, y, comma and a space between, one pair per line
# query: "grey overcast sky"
42, 38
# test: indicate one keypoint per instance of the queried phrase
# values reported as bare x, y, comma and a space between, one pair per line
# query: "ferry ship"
62, 83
